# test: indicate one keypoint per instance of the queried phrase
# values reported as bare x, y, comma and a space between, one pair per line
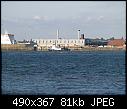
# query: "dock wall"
86, 48
16, 47
27, 47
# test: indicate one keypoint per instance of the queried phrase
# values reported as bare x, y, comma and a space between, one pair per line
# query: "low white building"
7, 39
60, 42
79, 42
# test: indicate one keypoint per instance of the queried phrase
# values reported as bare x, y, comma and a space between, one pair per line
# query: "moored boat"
58, 48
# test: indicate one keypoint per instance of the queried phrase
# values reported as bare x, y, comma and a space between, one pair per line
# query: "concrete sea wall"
85, 48
28, 47
22, 47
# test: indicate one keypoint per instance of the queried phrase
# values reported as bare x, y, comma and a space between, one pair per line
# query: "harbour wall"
86, 48
29, 47
20, 47
97, 49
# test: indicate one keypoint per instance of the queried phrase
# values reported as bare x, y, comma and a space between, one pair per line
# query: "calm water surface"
87, 73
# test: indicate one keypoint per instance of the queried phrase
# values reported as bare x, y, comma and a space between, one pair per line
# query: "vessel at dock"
58, 48
7, 39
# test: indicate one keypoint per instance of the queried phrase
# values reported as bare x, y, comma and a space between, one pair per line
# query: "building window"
75, 41
43, 41
65, 41
68, 41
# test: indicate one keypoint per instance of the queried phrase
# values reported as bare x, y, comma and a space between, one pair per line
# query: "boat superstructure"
7, 38
55, 48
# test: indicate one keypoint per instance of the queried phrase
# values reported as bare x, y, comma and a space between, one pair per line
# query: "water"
59, 73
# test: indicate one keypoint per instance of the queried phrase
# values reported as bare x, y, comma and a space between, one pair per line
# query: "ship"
7, 38
58, 48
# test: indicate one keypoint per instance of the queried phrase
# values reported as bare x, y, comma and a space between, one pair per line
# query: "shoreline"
25, 47
88, 49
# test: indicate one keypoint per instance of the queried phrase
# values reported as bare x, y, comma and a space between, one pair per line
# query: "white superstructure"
7, 39
55, 48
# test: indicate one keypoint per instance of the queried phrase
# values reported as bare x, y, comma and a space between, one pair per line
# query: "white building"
80, 41
7, 39
60, 42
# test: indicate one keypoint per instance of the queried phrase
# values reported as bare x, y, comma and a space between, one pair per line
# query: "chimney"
78, 34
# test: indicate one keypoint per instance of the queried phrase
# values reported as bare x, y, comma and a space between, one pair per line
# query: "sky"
41, 19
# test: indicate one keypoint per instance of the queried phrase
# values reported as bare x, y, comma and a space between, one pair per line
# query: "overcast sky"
41, 19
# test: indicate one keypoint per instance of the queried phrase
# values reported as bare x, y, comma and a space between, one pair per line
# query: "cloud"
89, 18
40, 17
100, 18
45, 18
37, 17
76, 17
95, 18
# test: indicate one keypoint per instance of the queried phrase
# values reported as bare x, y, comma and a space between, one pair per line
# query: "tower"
57, 33
78, 34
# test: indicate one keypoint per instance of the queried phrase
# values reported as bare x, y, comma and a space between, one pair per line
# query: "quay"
16, 47
24, 47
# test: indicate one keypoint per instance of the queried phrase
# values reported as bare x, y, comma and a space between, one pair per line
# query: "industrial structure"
79, 42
